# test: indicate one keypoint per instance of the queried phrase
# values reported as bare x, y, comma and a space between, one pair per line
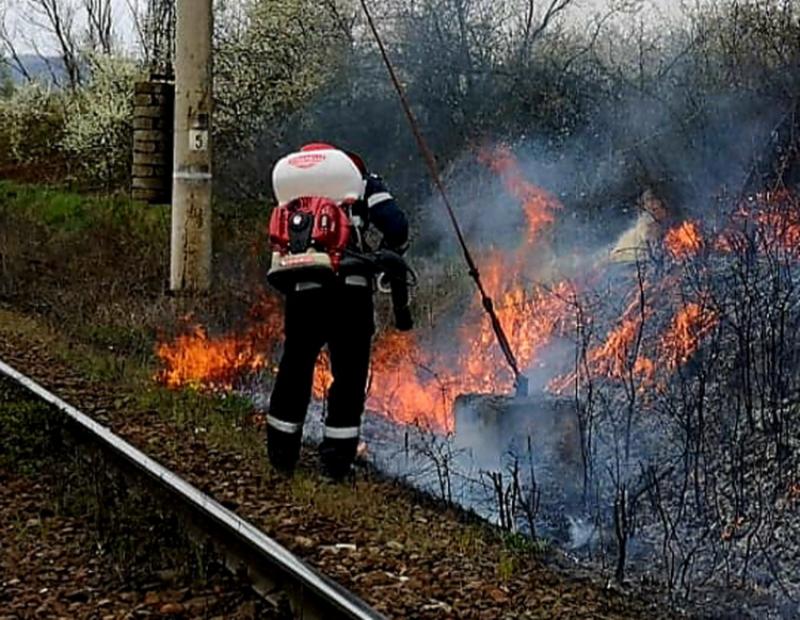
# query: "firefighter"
341, 315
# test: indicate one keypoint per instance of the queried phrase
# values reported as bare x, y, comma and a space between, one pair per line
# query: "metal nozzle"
521, 386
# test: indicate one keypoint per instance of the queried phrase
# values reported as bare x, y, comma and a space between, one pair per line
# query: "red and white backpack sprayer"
311, 226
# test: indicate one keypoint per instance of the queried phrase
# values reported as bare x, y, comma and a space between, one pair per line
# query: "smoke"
690, 152
687, 131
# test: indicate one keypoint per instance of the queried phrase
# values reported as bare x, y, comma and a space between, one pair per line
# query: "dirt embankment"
83, 287
404, 555
71, 548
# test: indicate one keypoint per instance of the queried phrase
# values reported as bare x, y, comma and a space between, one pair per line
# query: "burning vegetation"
680, 369
414, 381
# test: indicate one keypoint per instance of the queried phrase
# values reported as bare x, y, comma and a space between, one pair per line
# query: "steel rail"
271, 567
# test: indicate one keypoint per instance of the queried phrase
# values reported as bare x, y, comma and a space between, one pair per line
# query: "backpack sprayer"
310, 229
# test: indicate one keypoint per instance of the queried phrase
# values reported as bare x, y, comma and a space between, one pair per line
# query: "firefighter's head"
324, 146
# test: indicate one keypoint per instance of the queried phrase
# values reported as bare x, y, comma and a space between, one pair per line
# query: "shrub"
31, 124
98, 129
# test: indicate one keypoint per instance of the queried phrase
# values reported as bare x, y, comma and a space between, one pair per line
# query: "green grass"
521, 544
69, 212
222, 419
28, 430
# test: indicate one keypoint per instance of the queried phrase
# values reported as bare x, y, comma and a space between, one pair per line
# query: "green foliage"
6, 82
28, 430
222, 418
31, 124
71, 212
86, 131
270, 57
106, 259
521, 544
98, 130
506, 566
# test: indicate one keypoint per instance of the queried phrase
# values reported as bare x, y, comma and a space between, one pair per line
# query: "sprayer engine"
310, 227
308, 236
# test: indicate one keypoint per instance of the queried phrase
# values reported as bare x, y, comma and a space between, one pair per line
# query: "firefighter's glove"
402, 319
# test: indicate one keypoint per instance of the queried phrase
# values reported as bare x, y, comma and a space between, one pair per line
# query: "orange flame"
195, 359
684, 241
619, 356
689, 326
410, 382
413, 381
539, 206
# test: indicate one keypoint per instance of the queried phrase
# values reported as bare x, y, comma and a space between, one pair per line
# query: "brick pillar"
153, 118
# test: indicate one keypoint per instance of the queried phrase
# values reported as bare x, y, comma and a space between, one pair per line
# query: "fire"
410, 381
405, 386
412, 384
689, 326
530, 319
539, 206
198, 360
782, 229
415, 381
194, 359
770, 219
684, 241
619, 355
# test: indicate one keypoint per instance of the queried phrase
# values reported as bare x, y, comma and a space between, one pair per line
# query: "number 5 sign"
198, 139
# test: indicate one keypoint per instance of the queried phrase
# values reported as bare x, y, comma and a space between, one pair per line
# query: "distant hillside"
41, 69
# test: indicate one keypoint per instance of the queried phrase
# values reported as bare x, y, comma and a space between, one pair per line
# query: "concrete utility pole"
190, 259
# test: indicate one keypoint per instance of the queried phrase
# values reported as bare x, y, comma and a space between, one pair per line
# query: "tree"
6, 81
100, 25
270, 58
57, 18
98, 121
154, 23
8, 49
74, 29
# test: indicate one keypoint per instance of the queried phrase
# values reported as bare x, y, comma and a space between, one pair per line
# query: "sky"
23, 32
19, 20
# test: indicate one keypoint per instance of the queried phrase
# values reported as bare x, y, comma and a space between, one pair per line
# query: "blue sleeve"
386, 216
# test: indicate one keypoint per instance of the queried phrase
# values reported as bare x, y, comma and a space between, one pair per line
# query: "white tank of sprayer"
328, 173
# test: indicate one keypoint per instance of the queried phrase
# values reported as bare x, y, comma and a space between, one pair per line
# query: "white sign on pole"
198, 139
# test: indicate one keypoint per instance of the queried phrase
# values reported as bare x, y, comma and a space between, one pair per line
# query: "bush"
31, 125
98, 126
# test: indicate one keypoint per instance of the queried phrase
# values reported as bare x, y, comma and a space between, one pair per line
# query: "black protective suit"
340, 315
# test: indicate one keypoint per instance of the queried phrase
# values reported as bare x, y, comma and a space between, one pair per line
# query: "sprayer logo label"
307, 160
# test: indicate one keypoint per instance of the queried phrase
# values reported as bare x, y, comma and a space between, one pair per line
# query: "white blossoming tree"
98, 121
270, 57
31, 122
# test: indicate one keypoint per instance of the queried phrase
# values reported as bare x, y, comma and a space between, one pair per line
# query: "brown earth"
406, 556
49, 568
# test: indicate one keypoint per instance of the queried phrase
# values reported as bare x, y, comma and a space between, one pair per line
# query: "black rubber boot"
337, 457
283, 451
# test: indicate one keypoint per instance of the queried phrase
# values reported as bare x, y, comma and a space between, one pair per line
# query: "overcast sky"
18, 18
20, 23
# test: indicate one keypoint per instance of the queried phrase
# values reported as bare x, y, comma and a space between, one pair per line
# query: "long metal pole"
190, 257
520, 380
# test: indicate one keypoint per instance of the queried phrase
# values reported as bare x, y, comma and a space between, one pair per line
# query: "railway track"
270, 567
